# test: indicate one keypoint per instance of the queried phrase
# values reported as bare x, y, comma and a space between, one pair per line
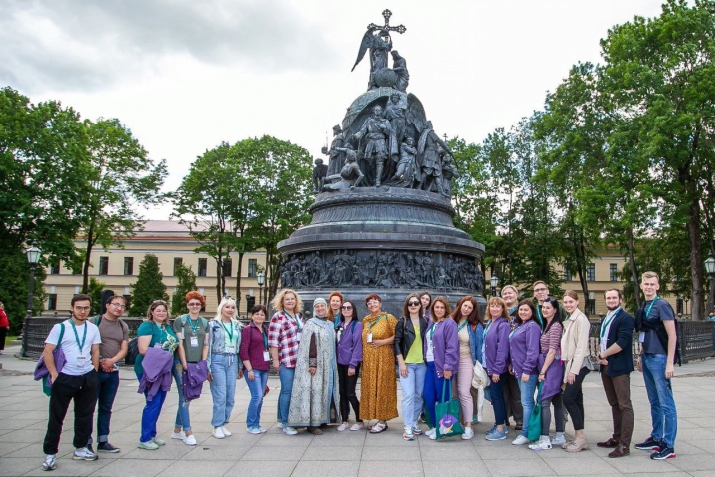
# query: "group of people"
521, 355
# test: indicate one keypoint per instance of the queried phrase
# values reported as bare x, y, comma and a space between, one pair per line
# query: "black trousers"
573, 399
512, 398
83, 389
3, 334
348, 396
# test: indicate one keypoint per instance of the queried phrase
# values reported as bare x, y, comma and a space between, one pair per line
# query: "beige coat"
574, 342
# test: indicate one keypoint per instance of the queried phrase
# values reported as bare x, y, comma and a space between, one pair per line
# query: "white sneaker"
281, 425
290, 431
218, 433
544, 443
84, 454
253, 430
190, 440
50, 462
558, 439
262, 429
358, 426
342, 427
520, 440
226, 432
468, 433
431, 432
178, 435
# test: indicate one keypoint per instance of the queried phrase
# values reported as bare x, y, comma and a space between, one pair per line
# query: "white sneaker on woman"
544, 443
520, 440
190, 440
468, 433
226, 432
218, 433
342, 427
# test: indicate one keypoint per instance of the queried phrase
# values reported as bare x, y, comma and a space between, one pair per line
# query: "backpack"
642, 324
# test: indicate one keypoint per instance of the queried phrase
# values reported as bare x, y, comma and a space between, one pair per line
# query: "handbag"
447, 414
132, 352
534, 429
479, 377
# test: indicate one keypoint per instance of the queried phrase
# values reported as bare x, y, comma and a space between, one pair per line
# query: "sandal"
378, 428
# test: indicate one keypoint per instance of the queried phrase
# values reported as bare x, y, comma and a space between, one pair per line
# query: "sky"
185, 75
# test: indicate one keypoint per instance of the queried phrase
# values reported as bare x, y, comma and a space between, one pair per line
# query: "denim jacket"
217, 340
476, 338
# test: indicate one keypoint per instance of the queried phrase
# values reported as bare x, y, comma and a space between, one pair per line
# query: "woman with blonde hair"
224, 364
284, 334
496, 356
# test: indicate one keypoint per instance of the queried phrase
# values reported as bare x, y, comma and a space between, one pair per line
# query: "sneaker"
408, 435
649, 444
544, 443
107, 447
148, 445
218, 433
262, 429
432, 436
159, 442
50, 462
253, 430
431, 432
497, 435
416, 430
190, 440
520, 440
290, 431
89, 446
558, 439
663, 453
178, 435
468, 433
84, 454
342, 427
491, 430
226, 432
358, 426
280, 425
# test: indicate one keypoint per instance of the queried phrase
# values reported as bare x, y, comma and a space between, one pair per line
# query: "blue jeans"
257, 387
183, 421
527, 399
106, 392
660, 395
412, 391
223, 387
150, 414
432, 392
286, 376
496, 391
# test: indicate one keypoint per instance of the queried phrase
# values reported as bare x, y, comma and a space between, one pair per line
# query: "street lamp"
494, 281
592, 302
33, 258
710, 268
261, 277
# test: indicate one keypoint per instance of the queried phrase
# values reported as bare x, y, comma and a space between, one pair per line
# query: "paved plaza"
23, 419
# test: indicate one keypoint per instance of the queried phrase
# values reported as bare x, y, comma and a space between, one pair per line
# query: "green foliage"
14, 288
94, 290
186, 283
148, 287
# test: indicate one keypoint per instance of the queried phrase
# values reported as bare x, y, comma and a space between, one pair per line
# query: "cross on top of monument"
387, 14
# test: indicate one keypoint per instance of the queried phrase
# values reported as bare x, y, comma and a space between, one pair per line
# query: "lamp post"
710, 268
261, 278
494, 281
33, 258
592, 302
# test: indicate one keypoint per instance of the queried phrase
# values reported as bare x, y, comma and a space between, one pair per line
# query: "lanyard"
194, 326
512, 310
76, 336
265, 338
374, 323
295, 319
538, 315
651, 306
513, 331
228, 330
431, 331
486, 328
462, 326
163, 334
608, 321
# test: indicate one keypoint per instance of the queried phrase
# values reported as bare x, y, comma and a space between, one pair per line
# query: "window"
227, 266
591, 272
614, 272
202, 267
55, 268
104, 265
567, 274
252, 267
177, 261
250, 303
129, 265
52, 302
127, 298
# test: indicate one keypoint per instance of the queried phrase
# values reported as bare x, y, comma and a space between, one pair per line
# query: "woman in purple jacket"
348, 337
496, 356
442, 355
523, 356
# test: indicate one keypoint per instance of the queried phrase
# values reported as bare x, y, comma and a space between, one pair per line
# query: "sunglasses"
414, 303
194, 304
346, 307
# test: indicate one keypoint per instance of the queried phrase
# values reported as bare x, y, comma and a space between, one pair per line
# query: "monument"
382, 217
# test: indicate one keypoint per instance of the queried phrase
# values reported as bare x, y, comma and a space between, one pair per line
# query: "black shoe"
649, 444
107, 447
664, 453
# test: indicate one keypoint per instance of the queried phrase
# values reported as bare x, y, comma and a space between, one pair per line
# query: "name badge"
641, 336
266, 356
81, 361
369, 337
299, 335
194, 342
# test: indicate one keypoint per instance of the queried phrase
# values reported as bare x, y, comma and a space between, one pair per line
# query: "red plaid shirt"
283, 334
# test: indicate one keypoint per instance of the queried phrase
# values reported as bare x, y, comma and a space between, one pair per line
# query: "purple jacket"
41, 368
496, 347
445, 345
349, 349
157, 372
193, 379
524, 348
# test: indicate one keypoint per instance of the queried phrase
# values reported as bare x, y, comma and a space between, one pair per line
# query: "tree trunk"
696, 262
634, 271
87, 256
238, 280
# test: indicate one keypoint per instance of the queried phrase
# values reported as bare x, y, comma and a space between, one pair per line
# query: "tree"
148, 287
122, 179
186, 283
94, 290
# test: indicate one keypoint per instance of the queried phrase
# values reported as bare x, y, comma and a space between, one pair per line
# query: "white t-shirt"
429, 355
71, 349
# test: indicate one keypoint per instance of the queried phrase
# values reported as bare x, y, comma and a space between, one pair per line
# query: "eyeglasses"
194, 304
82, 308
348, 307
539, 290
373, 302
119, 305
413, 303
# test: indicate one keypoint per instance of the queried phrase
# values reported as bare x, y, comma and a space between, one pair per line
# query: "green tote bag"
447, 414
534, 429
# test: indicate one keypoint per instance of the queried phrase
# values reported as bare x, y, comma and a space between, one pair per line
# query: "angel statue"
377, 40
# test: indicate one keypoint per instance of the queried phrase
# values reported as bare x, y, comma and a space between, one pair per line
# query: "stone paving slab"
23, 417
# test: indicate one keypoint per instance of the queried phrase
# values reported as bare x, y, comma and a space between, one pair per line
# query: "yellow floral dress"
378, 391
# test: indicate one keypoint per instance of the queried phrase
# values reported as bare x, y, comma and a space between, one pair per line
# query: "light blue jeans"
183, 421
286, 376
223, 387
527, 399
660, 395
412, 388
257, 387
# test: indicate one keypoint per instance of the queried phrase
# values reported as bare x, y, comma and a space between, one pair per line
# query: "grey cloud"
79, 44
